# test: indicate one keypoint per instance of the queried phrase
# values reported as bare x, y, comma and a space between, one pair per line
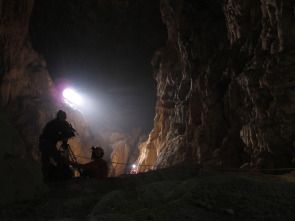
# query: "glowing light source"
134, 169
72, 97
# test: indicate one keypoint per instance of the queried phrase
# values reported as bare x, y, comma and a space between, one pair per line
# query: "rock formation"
124, 149
225, 90
21, 177
225, 85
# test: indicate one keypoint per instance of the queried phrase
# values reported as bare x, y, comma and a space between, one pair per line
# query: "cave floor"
167, 194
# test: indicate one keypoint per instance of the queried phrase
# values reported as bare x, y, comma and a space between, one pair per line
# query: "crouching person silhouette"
54, 166
97, 168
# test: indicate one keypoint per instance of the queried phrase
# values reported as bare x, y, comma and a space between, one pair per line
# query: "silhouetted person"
56, 130
97, 168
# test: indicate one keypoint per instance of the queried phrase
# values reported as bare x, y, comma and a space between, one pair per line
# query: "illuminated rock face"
124, 150
225, 85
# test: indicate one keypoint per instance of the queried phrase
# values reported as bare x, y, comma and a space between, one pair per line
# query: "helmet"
97, 151
61, 114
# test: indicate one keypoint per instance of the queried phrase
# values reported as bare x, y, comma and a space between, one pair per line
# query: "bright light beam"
72, 97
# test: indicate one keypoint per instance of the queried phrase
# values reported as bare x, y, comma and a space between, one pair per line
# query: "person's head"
61, 115
97, 153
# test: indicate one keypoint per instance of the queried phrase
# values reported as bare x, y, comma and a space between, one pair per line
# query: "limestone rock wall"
225, 85
14, 28
124, 150
21, 177
25, 82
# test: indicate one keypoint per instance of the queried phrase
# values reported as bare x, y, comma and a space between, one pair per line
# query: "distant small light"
133, 166
72, 97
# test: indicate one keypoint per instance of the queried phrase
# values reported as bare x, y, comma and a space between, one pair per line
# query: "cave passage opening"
104, 50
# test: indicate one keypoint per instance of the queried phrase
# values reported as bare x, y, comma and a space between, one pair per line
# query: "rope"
138, 165
217, 168
251, 169
83, 157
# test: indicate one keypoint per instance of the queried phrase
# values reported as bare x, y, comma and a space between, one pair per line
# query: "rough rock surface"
124, 150
167, 194
20, 175
225, 85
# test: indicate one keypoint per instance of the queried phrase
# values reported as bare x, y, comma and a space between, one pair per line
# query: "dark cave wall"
25, 81
225, 85
14, 28
20, 176
27, 91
